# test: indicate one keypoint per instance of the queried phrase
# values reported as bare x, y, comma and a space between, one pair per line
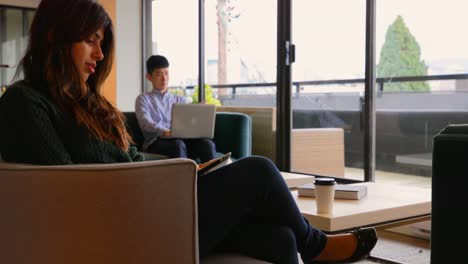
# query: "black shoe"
366, 240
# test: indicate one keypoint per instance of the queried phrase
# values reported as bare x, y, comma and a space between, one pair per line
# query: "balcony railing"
401, 131
380, 82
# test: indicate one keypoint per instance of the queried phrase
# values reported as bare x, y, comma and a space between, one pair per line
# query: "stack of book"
342, 191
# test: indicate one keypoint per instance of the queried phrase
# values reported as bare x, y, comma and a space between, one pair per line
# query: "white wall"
129, 52
21, 3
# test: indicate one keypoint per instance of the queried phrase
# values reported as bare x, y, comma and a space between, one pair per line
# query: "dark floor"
398, 248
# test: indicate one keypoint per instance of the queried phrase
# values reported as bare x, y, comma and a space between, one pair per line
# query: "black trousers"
247, 208
199, 149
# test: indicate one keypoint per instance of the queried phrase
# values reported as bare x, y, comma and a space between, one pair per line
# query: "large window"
327, 105
410, 112
240, 57
421, 75
14, 28
241, 49
241, 63
175, 36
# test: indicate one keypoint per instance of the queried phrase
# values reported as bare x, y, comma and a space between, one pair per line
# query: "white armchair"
142, 212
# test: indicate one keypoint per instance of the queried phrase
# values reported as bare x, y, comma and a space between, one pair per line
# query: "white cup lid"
324, 181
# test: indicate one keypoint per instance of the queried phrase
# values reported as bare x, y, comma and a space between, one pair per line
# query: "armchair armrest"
142, 212
233, 133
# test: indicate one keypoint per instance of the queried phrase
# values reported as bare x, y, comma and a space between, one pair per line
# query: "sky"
329, 35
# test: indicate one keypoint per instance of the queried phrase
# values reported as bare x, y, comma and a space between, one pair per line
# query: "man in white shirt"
153, 111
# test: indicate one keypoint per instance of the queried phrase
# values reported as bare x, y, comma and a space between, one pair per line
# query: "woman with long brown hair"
69, 56
57, 115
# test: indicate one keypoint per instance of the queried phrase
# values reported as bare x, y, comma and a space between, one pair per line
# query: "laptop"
193, 121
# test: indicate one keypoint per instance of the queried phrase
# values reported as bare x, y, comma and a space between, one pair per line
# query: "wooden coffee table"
293, 180
385, 206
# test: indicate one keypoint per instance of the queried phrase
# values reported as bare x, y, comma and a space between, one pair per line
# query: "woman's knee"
259, 161
259, 165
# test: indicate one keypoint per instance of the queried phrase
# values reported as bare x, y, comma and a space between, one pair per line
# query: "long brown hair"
48, 64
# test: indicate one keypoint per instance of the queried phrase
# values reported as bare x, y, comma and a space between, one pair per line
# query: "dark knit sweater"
34, 130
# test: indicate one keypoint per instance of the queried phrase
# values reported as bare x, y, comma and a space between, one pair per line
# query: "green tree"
208, 96
401, 56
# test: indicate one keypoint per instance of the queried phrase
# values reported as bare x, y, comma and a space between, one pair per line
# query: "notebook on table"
342, 191
193, 121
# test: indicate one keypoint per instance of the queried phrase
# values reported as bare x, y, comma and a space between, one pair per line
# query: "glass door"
422, 70
327, 136
240, 57
174, 27
240, 50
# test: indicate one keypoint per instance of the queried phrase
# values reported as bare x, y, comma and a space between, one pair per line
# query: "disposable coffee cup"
324, 195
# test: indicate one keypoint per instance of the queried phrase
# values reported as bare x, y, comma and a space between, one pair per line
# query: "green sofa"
233, 133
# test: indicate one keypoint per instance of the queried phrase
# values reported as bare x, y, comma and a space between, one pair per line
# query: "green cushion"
233, 133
